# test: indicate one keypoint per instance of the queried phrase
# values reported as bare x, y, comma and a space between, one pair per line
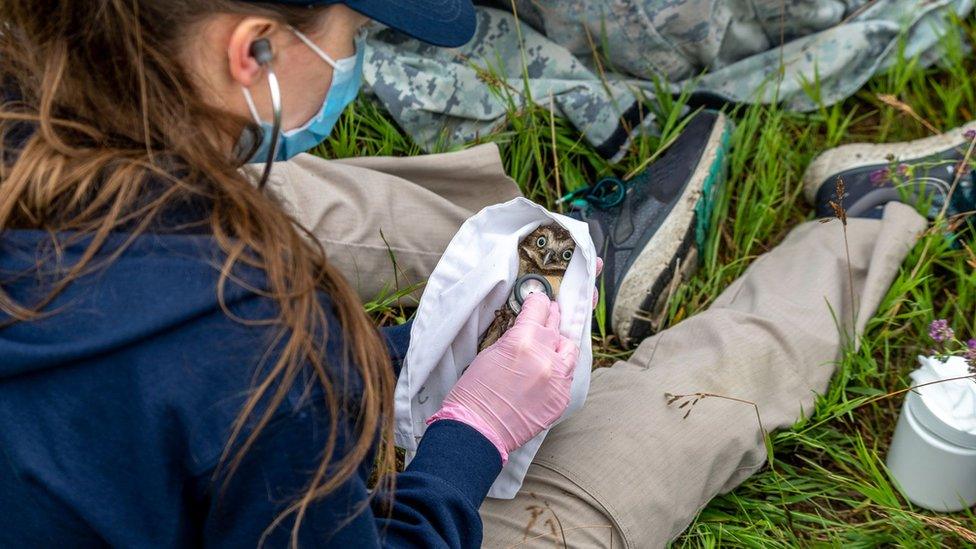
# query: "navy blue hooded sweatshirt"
115, 409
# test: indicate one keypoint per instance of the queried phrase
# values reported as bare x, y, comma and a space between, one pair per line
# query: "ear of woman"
244, 68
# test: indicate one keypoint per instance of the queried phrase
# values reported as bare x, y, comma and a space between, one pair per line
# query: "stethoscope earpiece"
260, 50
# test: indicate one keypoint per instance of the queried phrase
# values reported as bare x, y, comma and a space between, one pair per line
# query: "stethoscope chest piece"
525, 286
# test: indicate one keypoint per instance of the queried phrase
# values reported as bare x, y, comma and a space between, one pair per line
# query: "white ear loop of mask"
314, 47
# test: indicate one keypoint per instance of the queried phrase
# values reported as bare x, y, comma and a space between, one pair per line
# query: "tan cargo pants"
626, 470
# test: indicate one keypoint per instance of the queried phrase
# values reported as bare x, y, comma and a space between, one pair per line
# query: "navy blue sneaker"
648, 229
919, 173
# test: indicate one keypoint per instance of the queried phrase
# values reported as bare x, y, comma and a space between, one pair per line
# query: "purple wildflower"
970, 354
879, 176
970, 134
940, 331
883, 175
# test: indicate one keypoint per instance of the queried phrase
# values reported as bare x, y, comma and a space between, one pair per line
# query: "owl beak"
548, 256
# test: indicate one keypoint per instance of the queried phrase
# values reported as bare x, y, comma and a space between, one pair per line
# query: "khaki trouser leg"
368, 212
629, 466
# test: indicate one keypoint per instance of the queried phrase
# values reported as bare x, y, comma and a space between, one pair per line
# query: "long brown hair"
111, 108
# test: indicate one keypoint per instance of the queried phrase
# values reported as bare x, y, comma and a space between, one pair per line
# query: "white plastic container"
933, 462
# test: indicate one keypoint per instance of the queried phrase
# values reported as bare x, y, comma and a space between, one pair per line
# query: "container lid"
930, 421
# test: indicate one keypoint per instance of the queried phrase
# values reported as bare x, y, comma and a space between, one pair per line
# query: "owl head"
547, 249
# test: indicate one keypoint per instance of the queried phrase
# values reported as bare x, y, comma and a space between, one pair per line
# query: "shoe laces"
962, 198
604, 194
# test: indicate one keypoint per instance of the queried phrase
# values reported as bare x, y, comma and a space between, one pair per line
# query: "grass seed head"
840, 192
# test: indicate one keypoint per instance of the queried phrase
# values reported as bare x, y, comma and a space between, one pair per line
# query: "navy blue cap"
447, 23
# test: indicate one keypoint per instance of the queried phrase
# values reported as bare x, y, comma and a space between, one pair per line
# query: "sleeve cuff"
459, 455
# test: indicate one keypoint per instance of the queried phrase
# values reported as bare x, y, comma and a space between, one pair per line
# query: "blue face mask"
347, 77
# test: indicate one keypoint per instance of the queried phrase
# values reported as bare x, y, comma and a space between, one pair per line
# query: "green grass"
829, 486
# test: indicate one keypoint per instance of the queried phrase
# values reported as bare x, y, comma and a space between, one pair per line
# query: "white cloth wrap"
953, 402
471, 281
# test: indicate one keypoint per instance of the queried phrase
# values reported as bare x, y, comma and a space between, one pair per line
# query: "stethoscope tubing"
275, 125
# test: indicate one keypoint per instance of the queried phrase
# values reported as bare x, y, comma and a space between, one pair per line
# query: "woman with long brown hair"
181, 363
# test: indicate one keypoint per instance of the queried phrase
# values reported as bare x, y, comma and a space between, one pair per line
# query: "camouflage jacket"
597, 62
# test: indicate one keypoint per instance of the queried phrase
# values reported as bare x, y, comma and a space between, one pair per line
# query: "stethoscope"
525, 286
261, 52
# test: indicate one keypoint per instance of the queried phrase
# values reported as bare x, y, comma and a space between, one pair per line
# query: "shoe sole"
862, 155
638, 303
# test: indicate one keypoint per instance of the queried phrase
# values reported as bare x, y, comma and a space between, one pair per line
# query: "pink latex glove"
596, 291
519, 386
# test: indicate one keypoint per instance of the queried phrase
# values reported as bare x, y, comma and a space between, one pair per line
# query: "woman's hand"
519, 386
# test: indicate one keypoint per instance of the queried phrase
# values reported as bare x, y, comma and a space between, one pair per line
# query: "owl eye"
567, 255
541, 242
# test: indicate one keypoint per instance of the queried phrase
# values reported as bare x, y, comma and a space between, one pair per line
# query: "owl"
546, 252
